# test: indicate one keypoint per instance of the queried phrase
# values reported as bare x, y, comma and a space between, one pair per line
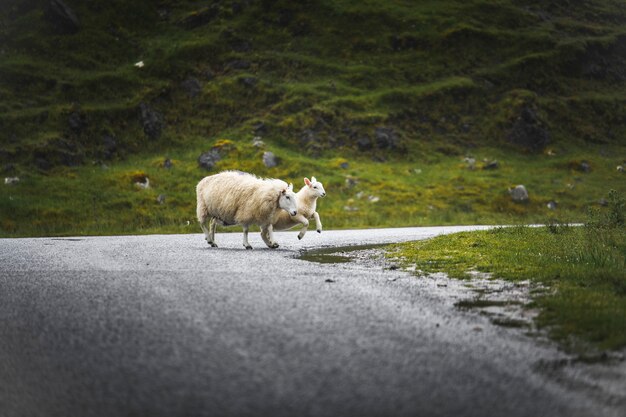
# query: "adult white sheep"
235, 197
307, 206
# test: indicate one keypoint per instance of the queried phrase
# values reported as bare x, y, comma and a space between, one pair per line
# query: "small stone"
386, 138
167, 164
143, 184
519, 194
151, 120
11, 180
257, 142
620, 168
364, 144
492, 165
373, 199
470, 162
584, 166
192, 87
208, 159
350, 208
529, 132
259, 128
351, 182
551, 205
270, 160
238, 64
249, 82
344, 165
161, 199
77, 122
603, 202
109, 146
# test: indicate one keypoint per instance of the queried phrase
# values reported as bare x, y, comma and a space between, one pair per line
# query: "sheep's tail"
201, 209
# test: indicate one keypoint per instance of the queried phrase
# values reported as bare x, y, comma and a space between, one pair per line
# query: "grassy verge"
584, 268
433, 189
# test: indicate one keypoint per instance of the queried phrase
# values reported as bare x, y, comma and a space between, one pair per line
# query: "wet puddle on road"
335, 255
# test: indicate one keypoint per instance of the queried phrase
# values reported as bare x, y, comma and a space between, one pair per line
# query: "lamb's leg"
265, 235
245, 237
270, 238
211, 233
305, 224
318, 222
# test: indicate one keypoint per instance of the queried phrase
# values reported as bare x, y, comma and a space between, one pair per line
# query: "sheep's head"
315, 187
287, 200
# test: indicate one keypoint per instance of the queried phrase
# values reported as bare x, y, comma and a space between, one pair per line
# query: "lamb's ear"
307, 182
313, 179
290, 188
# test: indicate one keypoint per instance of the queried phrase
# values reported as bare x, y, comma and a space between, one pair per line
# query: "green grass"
584, 269
442, 190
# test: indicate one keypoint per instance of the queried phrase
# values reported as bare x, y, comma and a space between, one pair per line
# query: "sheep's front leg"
305, 224
318, 222
245, 237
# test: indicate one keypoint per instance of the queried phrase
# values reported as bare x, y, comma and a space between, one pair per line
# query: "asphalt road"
163, 325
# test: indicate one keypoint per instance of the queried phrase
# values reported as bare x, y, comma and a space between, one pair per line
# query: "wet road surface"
163, 325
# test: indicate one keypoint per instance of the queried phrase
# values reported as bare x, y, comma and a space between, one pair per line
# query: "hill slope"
380, 100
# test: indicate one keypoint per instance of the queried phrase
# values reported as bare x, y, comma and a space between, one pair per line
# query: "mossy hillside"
450, 78
582, 268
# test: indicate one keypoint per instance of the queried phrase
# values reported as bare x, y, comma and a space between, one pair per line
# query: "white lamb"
307, 205
235, 197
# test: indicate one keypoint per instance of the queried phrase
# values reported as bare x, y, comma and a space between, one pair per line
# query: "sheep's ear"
290, 188
284, 191
313, 179
307, 182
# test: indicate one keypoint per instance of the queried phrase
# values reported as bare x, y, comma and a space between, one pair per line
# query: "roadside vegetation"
582, 270
410, 114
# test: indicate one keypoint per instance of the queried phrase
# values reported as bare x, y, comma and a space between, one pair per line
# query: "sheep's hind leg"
211, 233
265, 235
271, 243
207, 231
245, 238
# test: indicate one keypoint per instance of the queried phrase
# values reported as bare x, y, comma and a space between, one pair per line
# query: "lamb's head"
287, 200
315, 187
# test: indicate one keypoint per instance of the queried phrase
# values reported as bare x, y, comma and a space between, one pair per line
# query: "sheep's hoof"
213, 245
319, 230
300, 237
274, 245
248, 247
